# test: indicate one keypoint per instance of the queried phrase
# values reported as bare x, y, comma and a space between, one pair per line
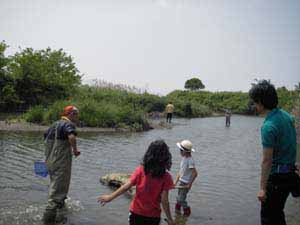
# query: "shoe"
61, 216
187, 211
177, 208
49, 217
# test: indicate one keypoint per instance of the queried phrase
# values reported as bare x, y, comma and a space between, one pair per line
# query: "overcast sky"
159, 44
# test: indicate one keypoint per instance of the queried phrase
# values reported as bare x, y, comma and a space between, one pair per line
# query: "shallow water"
227, 159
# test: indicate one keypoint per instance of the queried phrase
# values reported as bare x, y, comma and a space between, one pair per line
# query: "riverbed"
227, 160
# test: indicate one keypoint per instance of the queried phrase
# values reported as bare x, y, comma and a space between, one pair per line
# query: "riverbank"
22, 126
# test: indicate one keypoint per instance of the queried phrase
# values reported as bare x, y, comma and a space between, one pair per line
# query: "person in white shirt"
185, 177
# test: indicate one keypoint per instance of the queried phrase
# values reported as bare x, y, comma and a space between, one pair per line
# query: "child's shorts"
135, 219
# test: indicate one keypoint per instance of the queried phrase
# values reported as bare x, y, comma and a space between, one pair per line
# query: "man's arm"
266, 166
73, 143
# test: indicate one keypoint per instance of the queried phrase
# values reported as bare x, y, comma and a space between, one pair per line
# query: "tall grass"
114, 106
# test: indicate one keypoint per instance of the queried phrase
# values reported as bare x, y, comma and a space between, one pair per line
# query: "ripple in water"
32, 214
227, 159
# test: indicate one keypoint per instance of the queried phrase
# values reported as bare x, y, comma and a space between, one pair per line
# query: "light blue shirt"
185, 172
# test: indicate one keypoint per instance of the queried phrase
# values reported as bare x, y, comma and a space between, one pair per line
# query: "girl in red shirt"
153, 183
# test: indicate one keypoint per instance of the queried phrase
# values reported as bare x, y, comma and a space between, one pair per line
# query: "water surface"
227, 159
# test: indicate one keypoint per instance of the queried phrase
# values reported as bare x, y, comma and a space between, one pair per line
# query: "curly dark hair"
157, 159
265, 93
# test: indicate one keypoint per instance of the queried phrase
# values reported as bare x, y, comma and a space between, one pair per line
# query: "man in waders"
60, 143
278, 178
227, 117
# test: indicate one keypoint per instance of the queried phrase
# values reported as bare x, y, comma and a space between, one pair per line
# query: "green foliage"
152, 103
48, 79
8, 96
103, 107
194, 84
95, 114
287, 99
109, 108
200, 110
238, 102
204, 103
3, 60
35, 114
99, 108
37, 77
187, 106
54, 111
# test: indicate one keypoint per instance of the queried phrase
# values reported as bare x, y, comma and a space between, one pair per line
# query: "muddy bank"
19, 125
22, 126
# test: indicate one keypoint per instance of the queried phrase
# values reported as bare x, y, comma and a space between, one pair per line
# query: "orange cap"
70, 109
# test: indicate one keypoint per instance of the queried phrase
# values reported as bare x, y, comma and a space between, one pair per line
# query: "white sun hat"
186, 146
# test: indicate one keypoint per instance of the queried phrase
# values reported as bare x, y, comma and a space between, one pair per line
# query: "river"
227, 160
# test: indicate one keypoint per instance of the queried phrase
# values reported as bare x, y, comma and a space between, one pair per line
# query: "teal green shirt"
278, 132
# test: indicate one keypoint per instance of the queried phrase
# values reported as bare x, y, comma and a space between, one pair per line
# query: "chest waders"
59, 163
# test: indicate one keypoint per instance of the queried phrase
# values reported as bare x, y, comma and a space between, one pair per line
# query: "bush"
40, 77
200, 110
35, 114
54, 111
204, 102
106, 107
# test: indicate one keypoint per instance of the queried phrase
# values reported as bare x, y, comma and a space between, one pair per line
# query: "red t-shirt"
146, 201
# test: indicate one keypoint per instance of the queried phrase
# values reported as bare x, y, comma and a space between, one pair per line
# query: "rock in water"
116, 180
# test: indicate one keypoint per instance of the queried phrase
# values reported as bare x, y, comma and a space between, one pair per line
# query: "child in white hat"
186, 176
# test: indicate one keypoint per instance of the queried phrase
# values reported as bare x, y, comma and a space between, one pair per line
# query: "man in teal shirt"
278, 178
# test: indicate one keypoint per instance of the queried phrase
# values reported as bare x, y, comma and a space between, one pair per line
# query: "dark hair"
157, 159
265, 93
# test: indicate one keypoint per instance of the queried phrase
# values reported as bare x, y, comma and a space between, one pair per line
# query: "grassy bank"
119, 108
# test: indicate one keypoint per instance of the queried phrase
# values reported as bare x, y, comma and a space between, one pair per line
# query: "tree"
283, 88
3, 59
8, 96
194, 84
43, 76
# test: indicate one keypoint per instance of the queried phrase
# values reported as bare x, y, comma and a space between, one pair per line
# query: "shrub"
200, 110
35, 114
54, 111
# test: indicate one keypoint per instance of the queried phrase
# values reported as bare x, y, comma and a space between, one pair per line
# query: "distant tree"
3, 59
297, 87
194, 84
283, 88
43, 76
8, 95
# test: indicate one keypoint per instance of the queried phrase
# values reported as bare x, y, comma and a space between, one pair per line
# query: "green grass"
111, 107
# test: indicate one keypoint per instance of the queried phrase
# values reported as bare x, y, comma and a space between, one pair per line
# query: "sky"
157, 45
